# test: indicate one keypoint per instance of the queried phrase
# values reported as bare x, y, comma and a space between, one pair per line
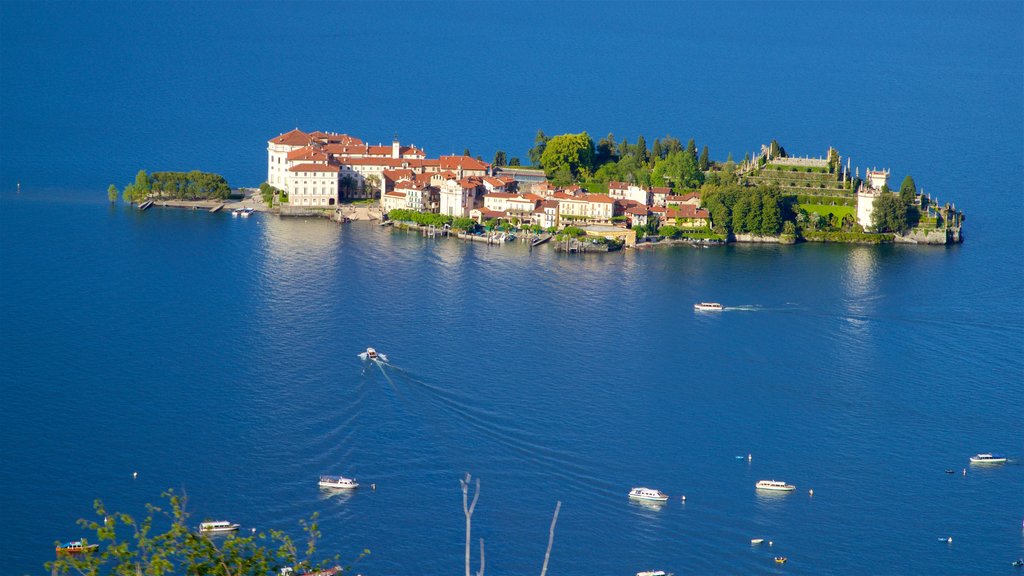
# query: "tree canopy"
889, 214
194, 185
574, 151
908, 190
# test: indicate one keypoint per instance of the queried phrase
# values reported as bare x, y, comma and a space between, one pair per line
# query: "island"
587, 196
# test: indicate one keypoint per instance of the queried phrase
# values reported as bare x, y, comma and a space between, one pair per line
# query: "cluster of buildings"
320, 169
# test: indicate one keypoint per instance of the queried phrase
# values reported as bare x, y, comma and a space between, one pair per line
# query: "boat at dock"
215, 526
988, 458
774, 485
708, 307
650, 494
247, 212
76, 547
338, 482
236, 212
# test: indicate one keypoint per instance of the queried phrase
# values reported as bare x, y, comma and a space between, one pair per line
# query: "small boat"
339, 482
1018, 563
775, 485
988, 458
949, 471
247, 212
640, 493
236, 212
756, 541
76, 547
653, 573
217, 526
372, 354
708, 307
780, 559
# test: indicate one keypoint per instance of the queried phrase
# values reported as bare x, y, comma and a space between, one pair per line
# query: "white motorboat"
247, 212
653, 573
775, 485
640, 493
339, 482
218, 526
756, 541
988, 458
708, 307
372, 354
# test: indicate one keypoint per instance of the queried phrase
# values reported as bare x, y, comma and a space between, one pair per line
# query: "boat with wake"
774, 486
372, 354
988, 458
708, 307
649, 494
338, 482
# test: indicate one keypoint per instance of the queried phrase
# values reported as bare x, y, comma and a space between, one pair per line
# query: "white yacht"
372, 354
218, 526
339, 482
708, 307
988, 458
776, 485
640, 493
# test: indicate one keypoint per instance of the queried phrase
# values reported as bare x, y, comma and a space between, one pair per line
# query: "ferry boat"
708, 307
76, 547
640, 493
776, 485
988, 458
339, 482
217, 526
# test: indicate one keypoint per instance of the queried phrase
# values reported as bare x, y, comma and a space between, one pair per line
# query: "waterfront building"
624, 191
545, 214
527, 176
691, 199
313, 184
870, 190
581, 207
638, 215
459, 196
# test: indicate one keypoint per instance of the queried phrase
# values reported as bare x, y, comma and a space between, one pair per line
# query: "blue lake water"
217, 355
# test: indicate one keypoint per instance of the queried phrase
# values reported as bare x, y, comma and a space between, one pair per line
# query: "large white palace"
320, 169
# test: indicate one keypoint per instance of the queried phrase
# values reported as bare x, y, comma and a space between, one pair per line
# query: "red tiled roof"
638, 210
314, 168
396, 194
307, 153
496, 182
463, 162
661, 190
399, 174
500, 195
599, 198
294, 138
687, 211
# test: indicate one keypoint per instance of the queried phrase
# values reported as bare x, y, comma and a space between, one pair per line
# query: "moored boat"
339, 482
988, 458
708, 307
217, 526
775, 485
640, 493
76, 547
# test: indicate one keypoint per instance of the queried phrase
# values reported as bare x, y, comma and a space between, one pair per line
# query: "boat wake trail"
451, 415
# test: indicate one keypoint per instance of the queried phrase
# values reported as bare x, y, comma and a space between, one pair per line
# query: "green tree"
112, 193
575, 151
703, 162
499, 158
889, 214
467, 153
691, 148
605, 150
641, 150
540, 142
132, 546
656, 150
740, 215
371, 186
514, 161
669, 231
463, 223
908, 191
562, 176
680, 168
771, 213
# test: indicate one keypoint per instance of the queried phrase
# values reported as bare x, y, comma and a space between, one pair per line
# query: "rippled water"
218, 356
